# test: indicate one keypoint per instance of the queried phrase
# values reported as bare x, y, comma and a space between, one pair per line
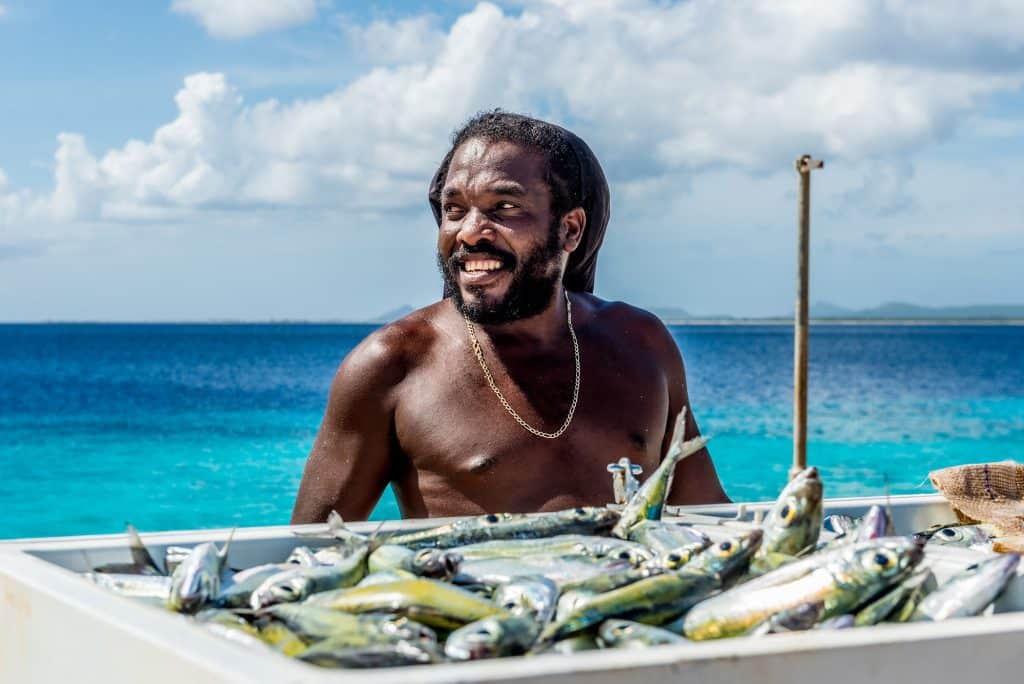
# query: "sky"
269, 159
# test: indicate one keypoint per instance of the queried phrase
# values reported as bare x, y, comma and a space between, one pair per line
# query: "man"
514, 392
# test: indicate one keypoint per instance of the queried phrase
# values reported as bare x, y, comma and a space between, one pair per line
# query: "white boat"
57, 626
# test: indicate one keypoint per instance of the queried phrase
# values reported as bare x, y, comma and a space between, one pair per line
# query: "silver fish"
492, 637
842, 579
196, 581
628, 634
559, 545
649, 500
966, 536
494, 571
535, 597
154, 587
299, 582
970, 591
495, 526
142, 562
794, 521
664, 537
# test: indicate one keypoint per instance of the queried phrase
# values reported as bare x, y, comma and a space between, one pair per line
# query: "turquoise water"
191, 426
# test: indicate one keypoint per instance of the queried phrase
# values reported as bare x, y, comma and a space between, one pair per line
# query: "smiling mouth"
478, 265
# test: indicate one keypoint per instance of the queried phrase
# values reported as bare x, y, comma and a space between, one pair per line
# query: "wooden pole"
804, 166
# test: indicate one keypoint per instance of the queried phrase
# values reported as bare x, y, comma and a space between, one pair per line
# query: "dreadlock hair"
562, 171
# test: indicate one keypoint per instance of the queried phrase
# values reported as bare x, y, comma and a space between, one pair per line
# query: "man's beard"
530, 291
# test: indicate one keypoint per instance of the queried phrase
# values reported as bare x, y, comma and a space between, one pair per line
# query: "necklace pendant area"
478, 352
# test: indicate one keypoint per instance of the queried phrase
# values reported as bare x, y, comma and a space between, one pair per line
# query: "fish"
673, 559
575, 644
603, 582
794, 521
384, 577
173, 556
923, 583
281, 639
502, 526
196, 580
316, 624
796, 619
872, 525
885, 605
492, 637
628, 634
332, 653
142, 562
842, 579
660, 598
431, 602
664, 537
227, 618
303, 555
559, 569
970, 591
571, 599
838, 622
435, 563
975, 537
238, 592
150, 587
535, 597
838, 523
649, 500
302, 581
559, 545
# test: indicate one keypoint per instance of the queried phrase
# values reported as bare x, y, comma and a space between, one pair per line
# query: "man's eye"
506, 205
452, 211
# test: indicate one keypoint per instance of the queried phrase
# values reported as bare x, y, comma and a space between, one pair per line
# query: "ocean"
195, 426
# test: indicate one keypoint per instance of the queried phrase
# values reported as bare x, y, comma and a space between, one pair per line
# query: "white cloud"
411, 39
3, 12
662, 92
243, 18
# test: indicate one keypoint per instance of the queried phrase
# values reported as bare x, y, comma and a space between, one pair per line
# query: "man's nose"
475, 226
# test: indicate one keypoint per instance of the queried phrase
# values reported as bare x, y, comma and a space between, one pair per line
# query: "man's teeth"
482, 265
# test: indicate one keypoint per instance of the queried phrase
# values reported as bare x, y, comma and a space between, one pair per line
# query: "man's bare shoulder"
626, 319
389, 353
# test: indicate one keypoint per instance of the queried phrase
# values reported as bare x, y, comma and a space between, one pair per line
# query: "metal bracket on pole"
804, 166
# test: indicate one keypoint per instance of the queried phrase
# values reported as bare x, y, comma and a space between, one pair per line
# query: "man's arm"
350, 463
695, 480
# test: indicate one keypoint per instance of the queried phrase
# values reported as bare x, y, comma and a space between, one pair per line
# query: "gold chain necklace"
504, 402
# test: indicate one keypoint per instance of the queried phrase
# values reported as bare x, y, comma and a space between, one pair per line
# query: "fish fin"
223, 553
140, 554
678, 430
375, 541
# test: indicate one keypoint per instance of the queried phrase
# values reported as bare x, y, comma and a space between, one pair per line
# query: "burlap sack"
990, 493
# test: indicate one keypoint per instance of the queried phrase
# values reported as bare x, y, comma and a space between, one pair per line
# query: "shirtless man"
412, 404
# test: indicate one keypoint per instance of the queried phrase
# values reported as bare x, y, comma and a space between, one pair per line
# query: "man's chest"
452, 426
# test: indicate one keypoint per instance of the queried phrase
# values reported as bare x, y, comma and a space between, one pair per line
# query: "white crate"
56, 626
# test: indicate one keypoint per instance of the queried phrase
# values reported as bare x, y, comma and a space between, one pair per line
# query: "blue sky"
268, 159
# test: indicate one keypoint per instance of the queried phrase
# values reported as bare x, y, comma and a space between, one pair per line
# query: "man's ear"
573, 224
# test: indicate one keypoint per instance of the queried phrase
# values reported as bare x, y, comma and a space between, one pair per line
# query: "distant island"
888, 312
825, 312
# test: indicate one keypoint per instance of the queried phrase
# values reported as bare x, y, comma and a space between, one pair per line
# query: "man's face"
499, 247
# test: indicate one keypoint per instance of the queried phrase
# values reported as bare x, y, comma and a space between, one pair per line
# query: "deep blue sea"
191, 426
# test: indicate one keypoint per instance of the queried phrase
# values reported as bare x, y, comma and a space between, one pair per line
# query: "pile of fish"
587, 578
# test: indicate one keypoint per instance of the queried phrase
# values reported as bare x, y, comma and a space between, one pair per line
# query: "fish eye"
674, 558
947, 532
624, 555
784, 511
972, 566
725, 546
580, 511
619, 630
491, 517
